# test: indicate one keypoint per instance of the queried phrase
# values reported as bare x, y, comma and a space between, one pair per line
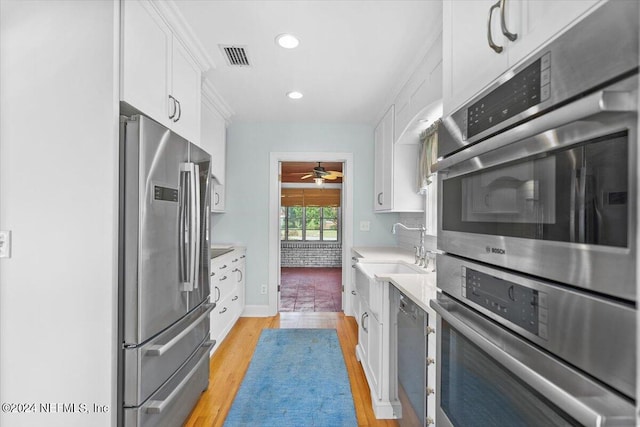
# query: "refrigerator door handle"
195, 224
190, 231
183, 224
157, 406
160, 349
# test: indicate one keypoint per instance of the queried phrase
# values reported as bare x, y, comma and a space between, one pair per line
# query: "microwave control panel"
520, 305
527, 88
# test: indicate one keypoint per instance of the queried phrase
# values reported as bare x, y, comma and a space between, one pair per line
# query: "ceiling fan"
319, 172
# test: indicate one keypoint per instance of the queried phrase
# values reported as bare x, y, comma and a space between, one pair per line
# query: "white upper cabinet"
213, 140
146, 46
515, 28
383, 170
186, 89
159, 76
395, 170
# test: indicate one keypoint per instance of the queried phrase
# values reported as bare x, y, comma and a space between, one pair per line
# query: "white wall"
247, 203
58, 194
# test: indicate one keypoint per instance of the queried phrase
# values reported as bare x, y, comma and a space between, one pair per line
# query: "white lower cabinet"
374, 350
227, 292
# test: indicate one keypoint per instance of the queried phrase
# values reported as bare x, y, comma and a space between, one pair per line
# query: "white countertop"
419, 287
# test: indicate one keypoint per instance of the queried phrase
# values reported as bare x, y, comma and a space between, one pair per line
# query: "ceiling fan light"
318, 181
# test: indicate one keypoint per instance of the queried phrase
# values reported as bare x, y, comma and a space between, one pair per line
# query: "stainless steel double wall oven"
537, 222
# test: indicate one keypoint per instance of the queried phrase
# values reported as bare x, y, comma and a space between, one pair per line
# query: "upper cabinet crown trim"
183, 31
213, 99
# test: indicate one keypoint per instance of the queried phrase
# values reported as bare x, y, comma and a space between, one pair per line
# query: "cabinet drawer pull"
353, 292
511, 36
235, 298
223, 278
223, 267
492, 45
224, 310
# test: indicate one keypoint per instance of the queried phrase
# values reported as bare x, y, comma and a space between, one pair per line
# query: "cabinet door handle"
429, 330
492, 45
379, 198
179, 111
503, 23
353, 292
173, 104
365, 315
217, 199
219, 294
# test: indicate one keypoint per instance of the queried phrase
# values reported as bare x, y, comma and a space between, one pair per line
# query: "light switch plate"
365, 225
5, 244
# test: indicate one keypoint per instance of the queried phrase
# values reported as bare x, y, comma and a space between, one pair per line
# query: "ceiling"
293, 171
354, 55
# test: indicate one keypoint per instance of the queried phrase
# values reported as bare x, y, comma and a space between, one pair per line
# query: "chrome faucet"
420, 252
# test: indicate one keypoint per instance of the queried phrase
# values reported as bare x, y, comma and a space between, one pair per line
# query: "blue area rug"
297, 377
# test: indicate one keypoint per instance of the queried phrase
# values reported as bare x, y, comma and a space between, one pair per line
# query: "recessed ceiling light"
287, 41
294, 95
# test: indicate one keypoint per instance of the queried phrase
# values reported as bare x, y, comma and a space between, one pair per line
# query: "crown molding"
213, 99
183, 31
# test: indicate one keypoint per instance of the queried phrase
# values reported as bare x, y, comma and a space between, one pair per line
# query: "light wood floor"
231, 360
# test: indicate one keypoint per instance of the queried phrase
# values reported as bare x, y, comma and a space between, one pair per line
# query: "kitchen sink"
370, 283
382, 269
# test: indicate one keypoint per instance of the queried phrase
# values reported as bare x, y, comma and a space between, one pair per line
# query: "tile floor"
310, 289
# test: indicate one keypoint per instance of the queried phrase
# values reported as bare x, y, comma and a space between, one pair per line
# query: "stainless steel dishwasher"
412, 353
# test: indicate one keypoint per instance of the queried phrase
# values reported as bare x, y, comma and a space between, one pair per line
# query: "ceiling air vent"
236, 55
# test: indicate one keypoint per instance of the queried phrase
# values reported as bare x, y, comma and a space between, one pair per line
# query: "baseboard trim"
257, 311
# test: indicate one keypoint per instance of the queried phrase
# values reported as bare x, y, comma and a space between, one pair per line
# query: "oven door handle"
600, 102
574, 406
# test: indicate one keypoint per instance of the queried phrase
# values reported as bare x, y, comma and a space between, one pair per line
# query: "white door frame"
274, 219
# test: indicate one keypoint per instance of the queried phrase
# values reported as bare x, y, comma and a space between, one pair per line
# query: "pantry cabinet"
470, 63
159, 77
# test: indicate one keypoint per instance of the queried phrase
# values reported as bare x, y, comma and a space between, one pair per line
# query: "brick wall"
310, 254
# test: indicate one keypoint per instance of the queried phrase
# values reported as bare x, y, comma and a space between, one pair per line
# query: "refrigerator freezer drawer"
147, 367
170, 406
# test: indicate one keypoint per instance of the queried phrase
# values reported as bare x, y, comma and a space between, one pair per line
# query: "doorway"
310, 236
314, 287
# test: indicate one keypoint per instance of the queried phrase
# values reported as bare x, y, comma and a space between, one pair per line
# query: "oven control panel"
520, 305
527, 88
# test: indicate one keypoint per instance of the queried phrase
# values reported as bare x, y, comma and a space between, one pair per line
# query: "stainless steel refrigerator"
163, 274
